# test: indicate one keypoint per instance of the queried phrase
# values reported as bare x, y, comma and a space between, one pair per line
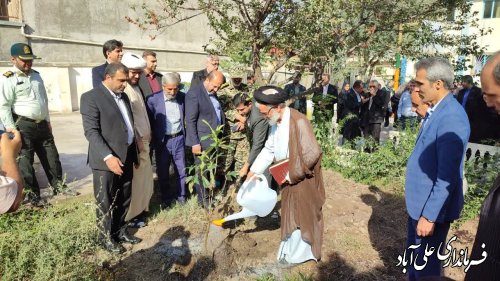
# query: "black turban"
270, 95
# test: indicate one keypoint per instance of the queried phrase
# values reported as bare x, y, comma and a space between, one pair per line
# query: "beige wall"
491, 41
68, 36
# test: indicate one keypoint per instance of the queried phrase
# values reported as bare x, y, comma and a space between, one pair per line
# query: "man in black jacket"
481, 118
325, 97
109, 127
488, 229
376, 108
255, 127
150, 80
351, 111
200, 75
113, 52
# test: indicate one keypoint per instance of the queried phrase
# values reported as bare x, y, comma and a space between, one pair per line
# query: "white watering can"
256, 198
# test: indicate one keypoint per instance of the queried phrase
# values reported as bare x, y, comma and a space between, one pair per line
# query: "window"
10, 10
491, 9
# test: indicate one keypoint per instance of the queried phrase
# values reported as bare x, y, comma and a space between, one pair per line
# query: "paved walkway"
72, 146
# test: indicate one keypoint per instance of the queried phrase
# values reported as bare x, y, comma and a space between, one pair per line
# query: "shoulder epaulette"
35, 71
8, 74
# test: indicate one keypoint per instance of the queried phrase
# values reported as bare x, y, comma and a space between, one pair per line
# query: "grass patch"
55, 243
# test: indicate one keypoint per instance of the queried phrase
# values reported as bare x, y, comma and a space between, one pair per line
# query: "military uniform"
24, 105
239, 146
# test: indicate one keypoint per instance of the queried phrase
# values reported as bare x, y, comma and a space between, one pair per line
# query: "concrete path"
72, 146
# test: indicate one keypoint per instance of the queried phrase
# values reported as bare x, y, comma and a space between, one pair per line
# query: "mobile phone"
234, 128
11, 135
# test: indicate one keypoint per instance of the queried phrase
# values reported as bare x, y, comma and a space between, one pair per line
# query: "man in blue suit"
113, 52
167, 118
433, 188
202, 105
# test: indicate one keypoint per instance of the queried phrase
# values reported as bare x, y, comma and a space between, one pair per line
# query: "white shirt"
276, 146
123, 110
325, 90
8, 193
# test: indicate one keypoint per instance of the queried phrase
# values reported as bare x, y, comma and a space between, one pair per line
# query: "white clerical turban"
133, 61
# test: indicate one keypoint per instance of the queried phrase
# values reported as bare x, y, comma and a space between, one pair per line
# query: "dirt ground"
365, 231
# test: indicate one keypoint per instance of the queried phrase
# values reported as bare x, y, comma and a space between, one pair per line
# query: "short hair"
148, 53
241, 98
110, 45
326, 74
467, 79
250, 74
357, 84
114, 67
437, 69
375, 82
212, 57
170, 78
496, 68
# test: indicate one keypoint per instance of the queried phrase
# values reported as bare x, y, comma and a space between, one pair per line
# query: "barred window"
491, 9
10, 10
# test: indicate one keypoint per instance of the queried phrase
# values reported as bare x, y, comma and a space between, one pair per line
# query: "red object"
279, 171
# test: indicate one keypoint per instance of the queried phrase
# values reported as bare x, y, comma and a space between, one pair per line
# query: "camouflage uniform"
240, 148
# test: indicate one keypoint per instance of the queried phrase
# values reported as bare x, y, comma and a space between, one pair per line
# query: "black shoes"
124, 236
112, 247
34, 200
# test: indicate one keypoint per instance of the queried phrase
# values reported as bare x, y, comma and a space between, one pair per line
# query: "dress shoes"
112, 247
128, 238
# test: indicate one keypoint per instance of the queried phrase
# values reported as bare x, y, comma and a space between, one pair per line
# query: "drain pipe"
49, 38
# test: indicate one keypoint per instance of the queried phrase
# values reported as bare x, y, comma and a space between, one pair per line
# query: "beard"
169, 97
273, 120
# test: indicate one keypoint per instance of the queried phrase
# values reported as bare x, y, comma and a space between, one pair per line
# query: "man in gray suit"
255, 127
108, 125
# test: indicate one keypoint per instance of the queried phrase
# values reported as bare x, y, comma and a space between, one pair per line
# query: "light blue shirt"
404, 106
216, 105
172, 116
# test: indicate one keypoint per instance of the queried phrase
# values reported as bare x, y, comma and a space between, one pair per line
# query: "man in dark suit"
351, 111
433, 186
167, 117
202, 105
113, 52
294, 89
108, 125
150, 81
200, 75
488, 229
325, 97
376, 108
481, 118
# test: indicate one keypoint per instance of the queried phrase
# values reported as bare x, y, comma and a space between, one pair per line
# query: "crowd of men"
133, 112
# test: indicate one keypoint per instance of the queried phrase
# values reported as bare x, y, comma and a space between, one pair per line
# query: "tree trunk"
257, 69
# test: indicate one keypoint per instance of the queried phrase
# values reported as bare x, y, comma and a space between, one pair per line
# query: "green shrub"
55, 243
480, 175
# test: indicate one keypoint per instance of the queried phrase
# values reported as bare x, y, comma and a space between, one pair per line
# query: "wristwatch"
428, 219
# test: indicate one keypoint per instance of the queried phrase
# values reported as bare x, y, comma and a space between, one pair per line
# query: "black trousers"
112, 194
37, 138
372, 130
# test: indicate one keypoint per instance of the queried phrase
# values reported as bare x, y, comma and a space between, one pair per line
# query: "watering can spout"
256, 198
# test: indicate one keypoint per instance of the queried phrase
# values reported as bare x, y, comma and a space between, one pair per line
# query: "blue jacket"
98, 74
433, 187
157, 115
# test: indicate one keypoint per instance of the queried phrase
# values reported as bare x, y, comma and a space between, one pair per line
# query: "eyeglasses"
373, 86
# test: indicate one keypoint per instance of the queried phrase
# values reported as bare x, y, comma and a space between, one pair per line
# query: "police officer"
24, 105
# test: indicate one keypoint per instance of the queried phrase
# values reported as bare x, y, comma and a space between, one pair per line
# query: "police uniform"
24, 105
